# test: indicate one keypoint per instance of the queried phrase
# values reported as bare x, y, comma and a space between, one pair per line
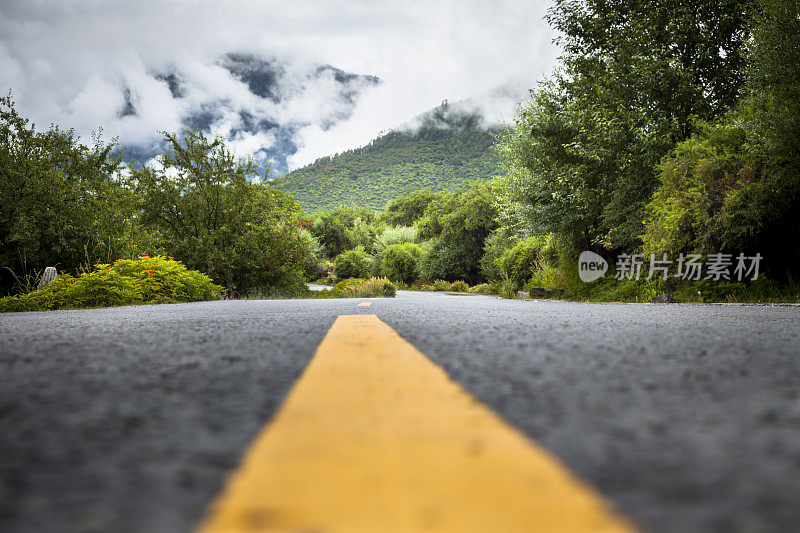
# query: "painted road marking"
364, 304
376, 438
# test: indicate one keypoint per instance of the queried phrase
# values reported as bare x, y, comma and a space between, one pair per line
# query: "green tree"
456, 226
407, 209
636, 76
400, 262
244, 234
343, 229
62, 203
735, 185
353, 263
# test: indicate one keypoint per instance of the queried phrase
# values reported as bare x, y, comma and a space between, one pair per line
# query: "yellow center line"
364, 304
376, 438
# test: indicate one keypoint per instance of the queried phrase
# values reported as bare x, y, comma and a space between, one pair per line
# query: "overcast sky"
69, 62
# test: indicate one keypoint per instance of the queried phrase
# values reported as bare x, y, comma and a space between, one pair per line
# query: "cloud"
284, 82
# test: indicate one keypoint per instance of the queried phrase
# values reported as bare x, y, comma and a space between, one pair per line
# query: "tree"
343, 229
62, 203
407, 209
636, 76
456, 226
400, 262
353, 263
735, 185
243, 234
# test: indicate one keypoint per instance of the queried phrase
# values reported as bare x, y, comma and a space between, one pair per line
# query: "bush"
455, 227
214, 217
352, 264
396, 235
545, 277
126, 282
401, 262
518, 261
62, 203
344, 228
483, 288
459, 286
439, 285
360, 288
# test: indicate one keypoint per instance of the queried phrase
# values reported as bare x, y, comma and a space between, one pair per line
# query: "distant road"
685, 417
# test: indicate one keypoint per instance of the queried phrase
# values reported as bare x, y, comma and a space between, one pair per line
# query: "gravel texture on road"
128, 419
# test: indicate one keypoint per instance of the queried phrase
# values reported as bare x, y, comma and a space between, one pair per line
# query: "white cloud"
69, 62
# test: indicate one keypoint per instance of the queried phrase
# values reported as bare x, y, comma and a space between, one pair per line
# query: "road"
685, 417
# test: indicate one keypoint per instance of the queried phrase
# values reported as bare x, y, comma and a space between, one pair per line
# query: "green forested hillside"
433, 157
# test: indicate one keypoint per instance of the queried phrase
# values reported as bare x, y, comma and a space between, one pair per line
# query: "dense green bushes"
62, 203
343, 229
209, 213
635, 77
455, 226
352, 264
401, 262
735, 185
67, 205
361, 288
125, 282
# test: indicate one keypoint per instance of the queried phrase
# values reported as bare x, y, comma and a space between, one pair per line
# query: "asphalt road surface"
129, 419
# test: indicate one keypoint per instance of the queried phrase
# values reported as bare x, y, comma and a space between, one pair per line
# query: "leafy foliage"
735, 185
352, 264
125, 282
359, 288
711, 196
395, 235
527, 256
344, 228
61, 202
636, 75
408, 208
246, 235
401, 262
393, 164
456, 226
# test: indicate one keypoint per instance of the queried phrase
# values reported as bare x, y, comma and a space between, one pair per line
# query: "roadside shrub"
401, 262
374, 287
546, 277
210, 213
507, 289
324, 270
352, 264
437, 285
459, 286
528, 255
62, 203
483, 288
455, 226
360, 288
441, 285
344, 228
125, 282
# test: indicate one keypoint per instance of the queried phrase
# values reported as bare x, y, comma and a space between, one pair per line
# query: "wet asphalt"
128, 419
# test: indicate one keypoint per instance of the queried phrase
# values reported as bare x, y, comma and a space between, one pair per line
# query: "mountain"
440, 150
258, 103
